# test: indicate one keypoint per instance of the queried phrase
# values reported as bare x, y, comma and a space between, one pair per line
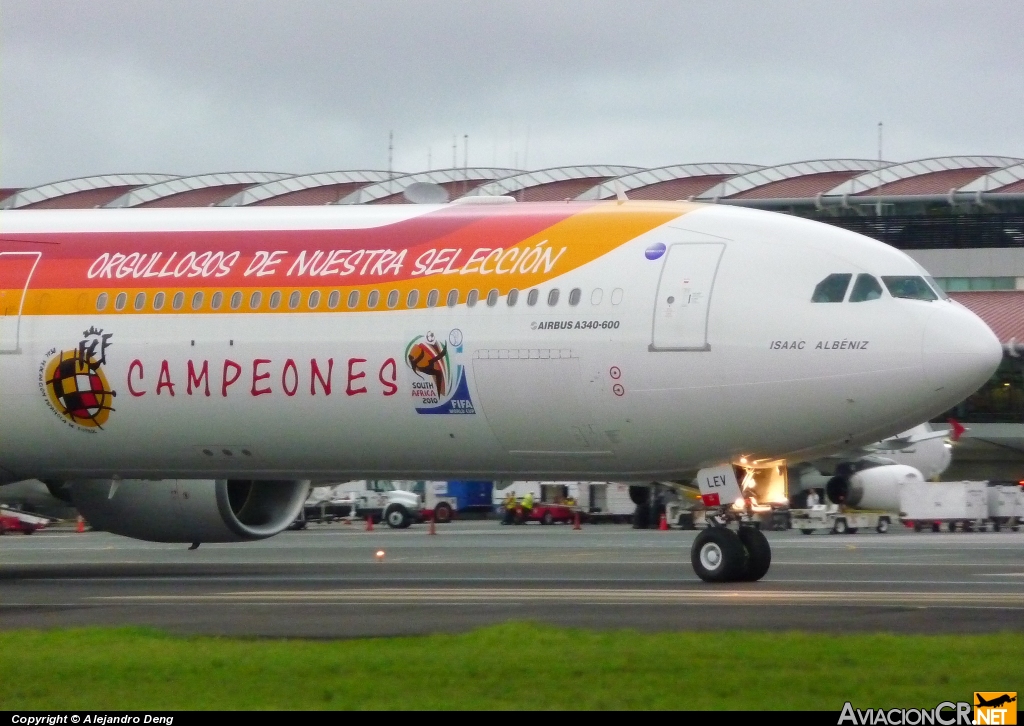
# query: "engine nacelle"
190, 510
874, 488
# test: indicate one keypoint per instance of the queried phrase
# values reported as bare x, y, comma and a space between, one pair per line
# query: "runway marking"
589, 596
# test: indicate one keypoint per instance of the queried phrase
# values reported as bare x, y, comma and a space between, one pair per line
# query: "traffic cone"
80, 527
576, 519
663, 523
369, 523
433, 529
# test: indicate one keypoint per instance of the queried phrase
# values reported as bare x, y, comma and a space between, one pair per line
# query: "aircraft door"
16, 270
684, 296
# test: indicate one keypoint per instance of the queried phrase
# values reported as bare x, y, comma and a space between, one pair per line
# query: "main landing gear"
720, 554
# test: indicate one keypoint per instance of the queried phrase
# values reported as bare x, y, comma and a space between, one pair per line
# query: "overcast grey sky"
192, 86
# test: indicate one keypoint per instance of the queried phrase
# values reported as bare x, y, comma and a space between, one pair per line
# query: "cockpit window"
936, 287
832, 289
909, 287
865, 288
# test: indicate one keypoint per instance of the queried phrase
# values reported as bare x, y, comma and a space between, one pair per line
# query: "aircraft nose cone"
960, 351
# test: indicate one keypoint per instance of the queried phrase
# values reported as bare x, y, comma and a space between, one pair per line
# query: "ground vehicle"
442, 499
13, 520
954, 504
1005, 506
831, 518
683, 515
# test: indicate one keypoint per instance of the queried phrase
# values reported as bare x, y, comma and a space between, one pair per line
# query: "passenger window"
333, 299
412, 299
472, 298
553, 296
865, 288
140, 300
216, 300
453, 298
616, 296
353, 299
513, 297
197, 300
178, 300
492, 298
832, 289
575, 295
158, 300
101, 301
596, 296
531, 298
372, 299
275, 299
909, 287
120, 301
314, 299
393, 298
432, 297
236, 300
294, 299
255, 300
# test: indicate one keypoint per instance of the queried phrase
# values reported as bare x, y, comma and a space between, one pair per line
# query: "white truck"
378, 500
837, 520
956, 505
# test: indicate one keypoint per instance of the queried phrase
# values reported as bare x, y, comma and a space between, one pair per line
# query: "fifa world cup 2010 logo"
76, 385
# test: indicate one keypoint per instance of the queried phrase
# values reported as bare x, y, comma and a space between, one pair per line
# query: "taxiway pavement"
328, 581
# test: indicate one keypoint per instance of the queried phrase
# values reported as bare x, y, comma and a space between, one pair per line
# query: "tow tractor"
833, 518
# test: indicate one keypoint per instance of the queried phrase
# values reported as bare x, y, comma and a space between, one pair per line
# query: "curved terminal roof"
816, 183
194, 191
555, 184
925, 176
1007, 180
800, 179
306, 189
82, 193
668, 183
457, 182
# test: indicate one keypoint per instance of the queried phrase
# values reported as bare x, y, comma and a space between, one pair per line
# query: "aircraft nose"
960, 351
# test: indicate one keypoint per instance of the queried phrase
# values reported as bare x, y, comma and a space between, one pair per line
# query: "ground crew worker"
510, 508
527, 505
812, 498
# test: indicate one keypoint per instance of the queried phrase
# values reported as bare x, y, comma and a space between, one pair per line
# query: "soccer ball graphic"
78, 389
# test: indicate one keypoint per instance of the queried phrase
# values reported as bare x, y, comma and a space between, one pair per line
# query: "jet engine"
190, 510
875, 488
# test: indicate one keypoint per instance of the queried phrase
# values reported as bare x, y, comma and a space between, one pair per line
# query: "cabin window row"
433, 299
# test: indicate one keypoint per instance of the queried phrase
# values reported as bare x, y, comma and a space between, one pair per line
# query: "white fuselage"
620, 383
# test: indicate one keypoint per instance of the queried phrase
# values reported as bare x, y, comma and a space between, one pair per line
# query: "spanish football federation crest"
75, 385
438, 378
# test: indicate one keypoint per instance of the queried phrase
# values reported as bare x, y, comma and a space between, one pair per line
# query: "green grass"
516, 665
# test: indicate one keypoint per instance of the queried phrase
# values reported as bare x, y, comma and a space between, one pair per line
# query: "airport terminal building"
961, 217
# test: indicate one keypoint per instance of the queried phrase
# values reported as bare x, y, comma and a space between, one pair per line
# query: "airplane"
996, 702
870, 473
186, 374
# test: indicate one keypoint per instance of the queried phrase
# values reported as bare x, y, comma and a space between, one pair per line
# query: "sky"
196, 86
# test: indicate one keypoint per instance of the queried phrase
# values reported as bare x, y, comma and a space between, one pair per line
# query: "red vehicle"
543, 512
12, 521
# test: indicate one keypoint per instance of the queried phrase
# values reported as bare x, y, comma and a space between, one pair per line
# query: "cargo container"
953, 505
1005, 506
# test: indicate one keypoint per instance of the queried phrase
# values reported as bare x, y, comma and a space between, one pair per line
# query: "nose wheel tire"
717, 555
759, 554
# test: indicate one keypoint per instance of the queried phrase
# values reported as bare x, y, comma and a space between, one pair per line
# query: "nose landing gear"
720, 554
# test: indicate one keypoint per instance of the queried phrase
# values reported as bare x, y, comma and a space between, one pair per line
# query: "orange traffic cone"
80, 527
369, 523
433, 529
663, 524
576, 520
